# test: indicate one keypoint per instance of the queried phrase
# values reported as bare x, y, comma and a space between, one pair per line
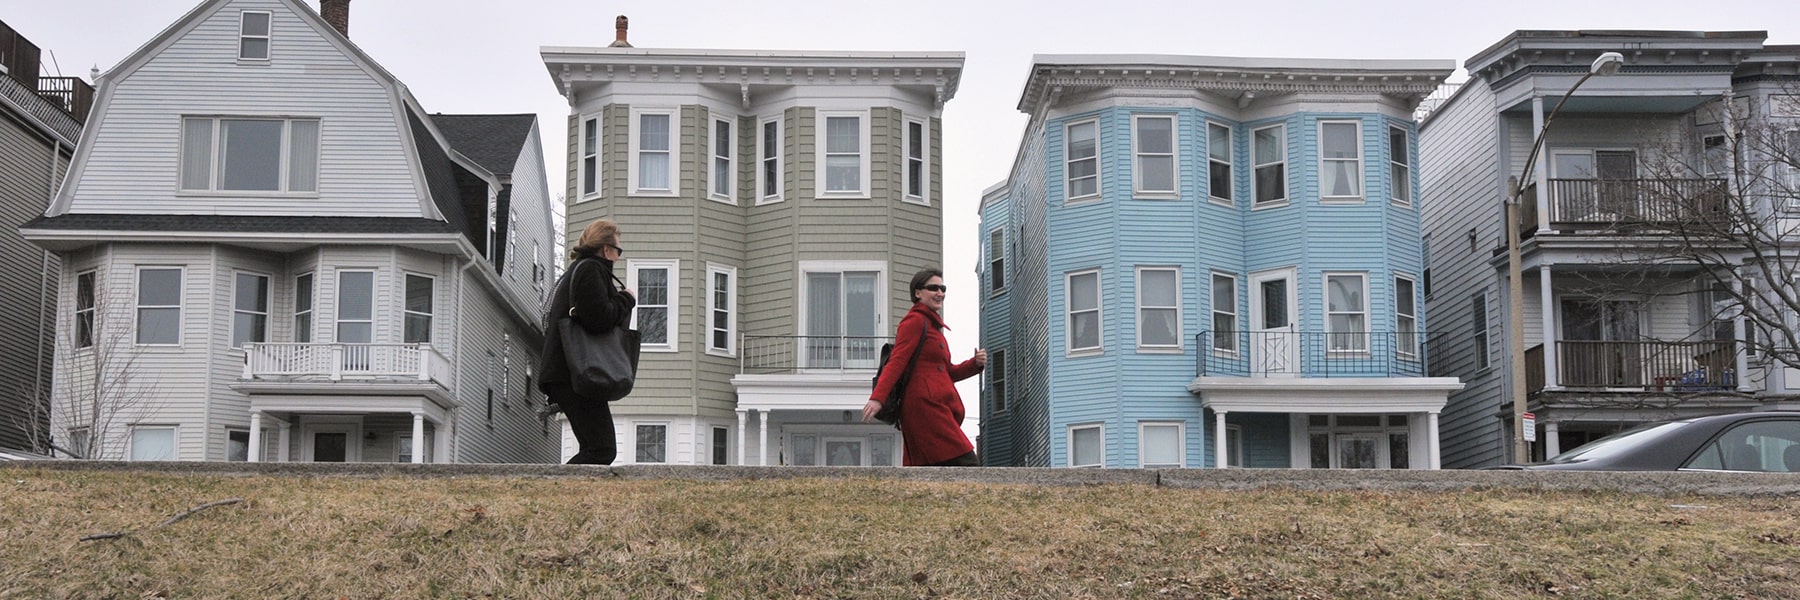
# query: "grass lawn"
405, 537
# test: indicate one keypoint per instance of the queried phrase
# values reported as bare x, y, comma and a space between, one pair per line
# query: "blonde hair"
600, 233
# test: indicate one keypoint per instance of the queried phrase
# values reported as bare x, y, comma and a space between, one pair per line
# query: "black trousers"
592, 423
967, 459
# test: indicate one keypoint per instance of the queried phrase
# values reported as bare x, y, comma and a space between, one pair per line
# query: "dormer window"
253, 35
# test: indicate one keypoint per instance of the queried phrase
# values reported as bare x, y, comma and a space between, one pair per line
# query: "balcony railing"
772, 354
1626, 205
1311, 354
68, 93
1647, 365
336, 362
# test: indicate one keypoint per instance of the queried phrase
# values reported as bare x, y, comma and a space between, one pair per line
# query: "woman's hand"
869, 409
980, 358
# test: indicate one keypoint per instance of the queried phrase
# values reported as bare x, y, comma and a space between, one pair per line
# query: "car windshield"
1619, 443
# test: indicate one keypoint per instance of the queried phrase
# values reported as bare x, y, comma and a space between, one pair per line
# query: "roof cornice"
569, 65
1051, 75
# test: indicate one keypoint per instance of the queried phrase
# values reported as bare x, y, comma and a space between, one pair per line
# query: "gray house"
254, 274
773, 206
40, 120
1608, 341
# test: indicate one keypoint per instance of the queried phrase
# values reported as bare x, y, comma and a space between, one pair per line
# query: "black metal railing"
771, 354
1277, 353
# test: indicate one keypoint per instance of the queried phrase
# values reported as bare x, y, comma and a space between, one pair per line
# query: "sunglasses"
936, 288
617, 249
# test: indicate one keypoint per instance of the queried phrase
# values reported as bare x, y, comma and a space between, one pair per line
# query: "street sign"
1529, 426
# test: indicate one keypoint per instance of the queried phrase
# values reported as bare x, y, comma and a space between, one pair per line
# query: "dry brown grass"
577, 538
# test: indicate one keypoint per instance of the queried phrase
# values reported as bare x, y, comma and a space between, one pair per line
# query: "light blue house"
1201, 256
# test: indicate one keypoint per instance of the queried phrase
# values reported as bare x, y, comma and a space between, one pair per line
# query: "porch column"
764, 433
743, 428
1540, 171
1221, 454
1431, 441
1552, 441
418, 438
282, 438
255, 450
1738, 329
1547, 325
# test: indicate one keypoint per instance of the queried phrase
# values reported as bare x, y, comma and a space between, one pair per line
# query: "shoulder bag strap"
924, 334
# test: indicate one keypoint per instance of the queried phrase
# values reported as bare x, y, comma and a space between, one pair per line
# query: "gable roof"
492, 141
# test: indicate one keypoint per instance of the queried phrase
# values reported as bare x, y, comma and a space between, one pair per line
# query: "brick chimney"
336, 13
621, 24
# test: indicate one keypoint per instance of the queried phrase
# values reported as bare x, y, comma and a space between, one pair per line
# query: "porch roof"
1324, 394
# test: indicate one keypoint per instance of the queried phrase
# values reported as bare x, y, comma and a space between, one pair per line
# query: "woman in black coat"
587, 286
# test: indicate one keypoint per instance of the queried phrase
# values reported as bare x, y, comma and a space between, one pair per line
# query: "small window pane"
256, 23
159, 287
1218, 142
652, 443
1083, 293
1162, 445
653, 132
843, 135
252, 157
1085, 450
303, 156
356, 295
153, 443
237, 446
1159, 288
196, 154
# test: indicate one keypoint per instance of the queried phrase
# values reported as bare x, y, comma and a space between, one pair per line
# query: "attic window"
249, 154
253, 35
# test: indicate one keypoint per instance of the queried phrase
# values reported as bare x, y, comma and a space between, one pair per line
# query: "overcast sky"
481, 56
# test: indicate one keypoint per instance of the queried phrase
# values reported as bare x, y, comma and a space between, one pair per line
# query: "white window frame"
90, 314
762, 160
1138, 154
714, 444
728, 173
819, 143
674, 306
997, 261
337, 312
1479, 320
131, 441
1230, 165
411, 449
138, 306
636, 443
1417, 345
592, 127
997, 380
1099, 310
1325, 306
312, 305
923, 194
1101, 427
407, 312
1067, 161
674, 151
840, 267
268, 305
1214, 312
713, 308
1400, 167
1180, 323
1256, 201
215, 164
1357, 174
512, 242
268, 38
1180, 444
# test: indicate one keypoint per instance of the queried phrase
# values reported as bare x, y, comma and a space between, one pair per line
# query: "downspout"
462, 277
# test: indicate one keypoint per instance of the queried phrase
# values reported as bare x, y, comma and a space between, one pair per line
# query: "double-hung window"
996, 372
84, 310
1081, 160
417, 326
844, 154
841, 304
1269, 151
918, 172
1159, 308
356, 307
1406, 318
250, 310
653, 156
1400, 165
249, 154
253, 35
1224, 313
303, 308
1347, 312
768, 170
721, 310
1478, 319
1218, 161
997, 260
1153, 154
656, 317
159, 306
723, 156
1082, 301
1340, 160
590, 158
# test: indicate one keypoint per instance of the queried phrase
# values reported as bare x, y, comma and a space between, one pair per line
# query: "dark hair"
918, 282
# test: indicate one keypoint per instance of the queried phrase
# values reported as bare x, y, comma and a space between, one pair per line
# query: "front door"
1274, 344
331, 442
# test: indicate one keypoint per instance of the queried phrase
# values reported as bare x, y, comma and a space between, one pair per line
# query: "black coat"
599, 307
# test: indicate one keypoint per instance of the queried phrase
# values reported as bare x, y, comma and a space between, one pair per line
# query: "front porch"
1336, 422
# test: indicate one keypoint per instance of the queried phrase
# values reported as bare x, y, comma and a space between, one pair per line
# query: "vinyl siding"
30, 170
996, 445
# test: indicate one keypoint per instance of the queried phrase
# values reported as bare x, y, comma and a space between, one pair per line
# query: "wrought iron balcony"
336, 362
776, 354
1279, 353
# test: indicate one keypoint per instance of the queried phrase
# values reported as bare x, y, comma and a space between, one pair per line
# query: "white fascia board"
833, 391
1324, 395
1241, 62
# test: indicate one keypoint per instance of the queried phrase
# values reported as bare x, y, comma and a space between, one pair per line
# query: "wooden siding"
996, 443
30, 170
134, 148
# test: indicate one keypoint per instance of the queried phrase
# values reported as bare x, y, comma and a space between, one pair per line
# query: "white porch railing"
340, 361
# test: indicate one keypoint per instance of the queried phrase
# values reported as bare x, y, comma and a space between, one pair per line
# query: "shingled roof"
492, 141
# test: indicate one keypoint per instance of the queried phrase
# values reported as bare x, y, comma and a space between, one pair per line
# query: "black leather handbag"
890, 408
602, 366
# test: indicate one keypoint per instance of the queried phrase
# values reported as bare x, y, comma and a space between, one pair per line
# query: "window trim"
407, 312
1099, 310
312, 306
731, 316
762, 161
1481, 330
337, 295
637, 442
1418, 342
715, 444
1067, 179
1255, 182
138, 306
268, 304
410, 447
996, 261
1180, 443
1234, 440
997, 381
1213, 311
591, 125
216, 158
820, 132
1180, 344
1137, 154
1230, 164
267, 38
635, 155
1097, 426
840, 267
923, 197
131, 440
1367, 310
1361, 183
1405, 167
729, 171
632, 266
93, 309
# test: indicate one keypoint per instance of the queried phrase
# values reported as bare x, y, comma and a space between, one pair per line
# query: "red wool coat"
932, 413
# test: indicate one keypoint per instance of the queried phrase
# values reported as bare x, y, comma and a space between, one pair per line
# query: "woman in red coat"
931, 412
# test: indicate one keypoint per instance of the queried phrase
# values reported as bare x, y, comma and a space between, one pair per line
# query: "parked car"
1756, 442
